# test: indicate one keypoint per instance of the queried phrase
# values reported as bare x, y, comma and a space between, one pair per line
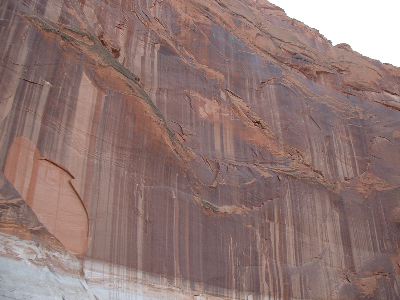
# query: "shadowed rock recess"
193, 149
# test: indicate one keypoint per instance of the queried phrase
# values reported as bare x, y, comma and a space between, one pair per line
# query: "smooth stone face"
195, 148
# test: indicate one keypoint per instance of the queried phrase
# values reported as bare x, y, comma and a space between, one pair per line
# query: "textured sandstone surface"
192, 149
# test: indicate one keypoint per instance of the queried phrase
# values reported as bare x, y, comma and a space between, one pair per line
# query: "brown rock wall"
217, 144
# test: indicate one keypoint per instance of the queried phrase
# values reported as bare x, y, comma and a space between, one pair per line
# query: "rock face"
180, 149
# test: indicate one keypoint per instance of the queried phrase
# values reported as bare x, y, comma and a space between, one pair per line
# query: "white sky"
371, 28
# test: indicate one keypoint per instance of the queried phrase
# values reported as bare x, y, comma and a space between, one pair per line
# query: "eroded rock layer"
173, 149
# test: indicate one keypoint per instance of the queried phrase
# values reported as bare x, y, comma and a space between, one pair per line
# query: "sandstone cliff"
181, 149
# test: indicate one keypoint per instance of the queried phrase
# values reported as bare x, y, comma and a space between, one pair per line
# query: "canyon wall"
193, 149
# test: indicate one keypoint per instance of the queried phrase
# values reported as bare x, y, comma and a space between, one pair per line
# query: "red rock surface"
203, 147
